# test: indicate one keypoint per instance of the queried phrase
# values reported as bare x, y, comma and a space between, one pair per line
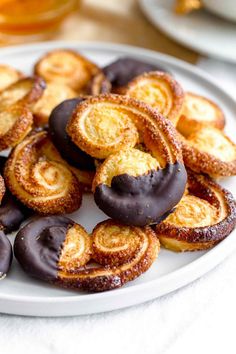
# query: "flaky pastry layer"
104, 124
160, 91
54, 94
8, 76
117, 266
66, 67
130, 161
204, 217
198, 112
210, 151
62, 252
40, 179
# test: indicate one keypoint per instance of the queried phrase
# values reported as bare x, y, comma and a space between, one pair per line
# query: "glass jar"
32, 19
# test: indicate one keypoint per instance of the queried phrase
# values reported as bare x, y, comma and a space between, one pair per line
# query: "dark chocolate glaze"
5, 254
12, 212
57, 130
38, 246
3, 160
143, 200
123, 70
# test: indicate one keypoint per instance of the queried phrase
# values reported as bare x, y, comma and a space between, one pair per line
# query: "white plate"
199, 30
22, 295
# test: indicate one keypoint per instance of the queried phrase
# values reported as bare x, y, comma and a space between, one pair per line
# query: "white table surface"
199, 318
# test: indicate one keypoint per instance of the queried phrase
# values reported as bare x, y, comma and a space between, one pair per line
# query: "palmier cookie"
54, 94
198, 112
131, 186
57, 250
8, 76
12, 212
5, 255
57, 130
210, 151
125, 69
66, 67
83, 163
37, 176
204, 217
160, 91
16, 101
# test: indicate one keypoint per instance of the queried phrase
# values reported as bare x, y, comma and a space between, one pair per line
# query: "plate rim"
166, 283
144, 5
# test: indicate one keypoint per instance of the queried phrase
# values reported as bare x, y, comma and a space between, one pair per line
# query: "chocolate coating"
38, 245
143, 200
5, 254
57, 129
12, 213
123, 70
3, 160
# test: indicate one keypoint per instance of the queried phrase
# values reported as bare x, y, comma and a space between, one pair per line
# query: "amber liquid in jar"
29, 17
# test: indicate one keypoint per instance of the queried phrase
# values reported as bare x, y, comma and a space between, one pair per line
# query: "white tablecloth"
198, 318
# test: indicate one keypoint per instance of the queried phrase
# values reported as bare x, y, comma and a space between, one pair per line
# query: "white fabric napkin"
194, 319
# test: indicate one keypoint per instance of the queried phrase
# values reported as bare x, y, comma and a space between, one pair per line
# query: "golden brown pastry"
204, 217
16, 119
133, 186
66, 67
127, 161
15, 123
210, 151
84, 177
103, 131
198, 112
54, 94
25, 92
40, 179
104, 124
58, 250
160, 91
8, 76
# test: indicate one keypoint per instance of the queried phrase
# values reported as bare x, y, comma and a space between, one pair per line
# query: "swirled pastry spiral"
160, 91
54, 94
36, 174
60, 251
12, 212
81, 163
210, 151
198, 112
15, 123
5, 255
16, 119
131, 186
66, 67
102, 132
8, 76
204, 217
25, 92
